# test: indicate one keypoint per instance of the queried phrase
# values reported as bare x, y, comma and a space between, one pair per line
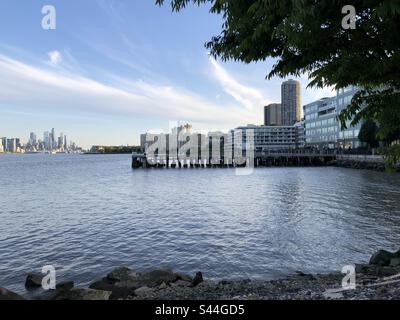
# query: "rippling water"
88, 214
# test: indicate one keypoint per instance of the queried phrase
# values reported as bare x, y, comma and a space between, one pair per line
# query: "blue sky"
116, 68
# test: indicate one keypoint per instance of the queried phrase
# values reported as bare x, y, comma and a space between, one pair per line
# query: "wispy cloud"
55, 57
250, 98
25, 85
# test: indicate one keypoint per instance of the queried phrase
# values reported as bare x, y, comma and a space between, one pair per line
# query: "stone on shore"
184, 277
7, 295
65, 286
144, 292
376, 270
395, 262
122, 274
157, 277
33, 281
85, 295
123, 282
384, 258
197, 279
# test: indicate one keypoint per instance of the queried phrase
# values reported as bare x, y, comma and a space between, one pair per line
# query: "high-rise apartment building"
273, 115
3, 142
12, 145
46, 140
291, 102
32, 139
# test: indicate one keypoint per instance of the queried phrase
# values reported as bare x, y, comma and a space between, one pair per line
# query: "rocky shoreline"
380, 279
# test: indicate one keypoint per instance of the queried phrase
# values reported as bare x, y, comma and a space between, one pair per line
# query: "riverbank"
380, 279
363, 162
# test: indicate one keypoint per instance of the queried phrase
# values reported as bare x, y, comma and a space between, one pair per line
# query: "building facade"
291, 102
348, 138
322, 127
273, 115
321, 124
266, 138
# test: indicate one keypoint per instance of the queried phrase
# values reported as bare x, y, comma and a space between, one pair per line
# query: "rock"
197, 279
65, 286
122, 274
163, 286
382, 258
377, 271
120, 290
184, 277
157, 277
33, 281
144, 292
333, 295
395, 262
182, 284
85, 295
9, 295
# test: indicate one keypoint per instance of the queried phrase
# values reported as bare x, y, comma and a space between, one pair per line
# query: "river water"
86, 215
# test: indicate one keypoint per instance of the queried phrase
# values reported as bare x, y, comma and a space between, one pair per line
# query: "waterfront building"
46, 140
291, 102
301, 133
11, 145
322, 127
32, 139
273, 114
53, 143
267, 138
60, 141
3, 142
321, 124
348, 138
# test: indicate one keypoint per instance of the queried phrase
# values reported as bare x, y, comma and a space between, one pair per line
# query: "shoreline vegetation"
380, 279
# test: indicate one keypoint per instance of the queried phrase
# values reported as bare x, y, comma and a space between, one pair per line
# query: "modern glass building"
322, 127
321, 124
347, 139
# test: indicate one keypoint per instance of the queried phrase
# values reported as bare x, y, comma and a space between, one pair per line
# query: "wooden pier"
273, 159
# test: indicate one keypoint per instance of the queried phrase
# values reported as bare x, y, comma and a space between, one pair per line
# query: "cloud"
250, 98
23, 85
55, 57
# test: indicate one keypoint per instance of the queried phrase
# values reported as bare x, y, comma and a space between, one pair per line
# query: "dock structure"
272, 159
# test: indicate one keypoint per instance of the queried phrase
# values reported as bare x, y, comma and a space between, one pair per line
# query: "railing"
361, 158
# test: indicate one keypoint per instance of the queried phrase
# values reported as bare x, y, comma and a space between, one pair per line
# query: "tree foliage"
306, 37
368, 133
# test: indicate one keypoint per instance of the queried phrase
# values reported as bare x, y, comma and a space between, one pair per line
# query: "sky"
113, 69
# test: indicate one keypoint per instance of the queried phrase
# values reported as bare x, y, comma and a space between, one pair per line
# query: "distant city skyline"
108, 73
50, 140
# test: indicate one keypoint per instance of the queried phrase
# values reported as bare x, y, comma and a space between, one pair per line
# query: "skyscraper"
53, 140
12, 145
291, 102
273, 115
46, 140
4, 144
32, 139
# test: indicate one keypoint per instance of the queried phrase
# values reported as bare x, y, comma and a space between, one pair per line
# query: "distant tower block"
291, 102
273, 115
